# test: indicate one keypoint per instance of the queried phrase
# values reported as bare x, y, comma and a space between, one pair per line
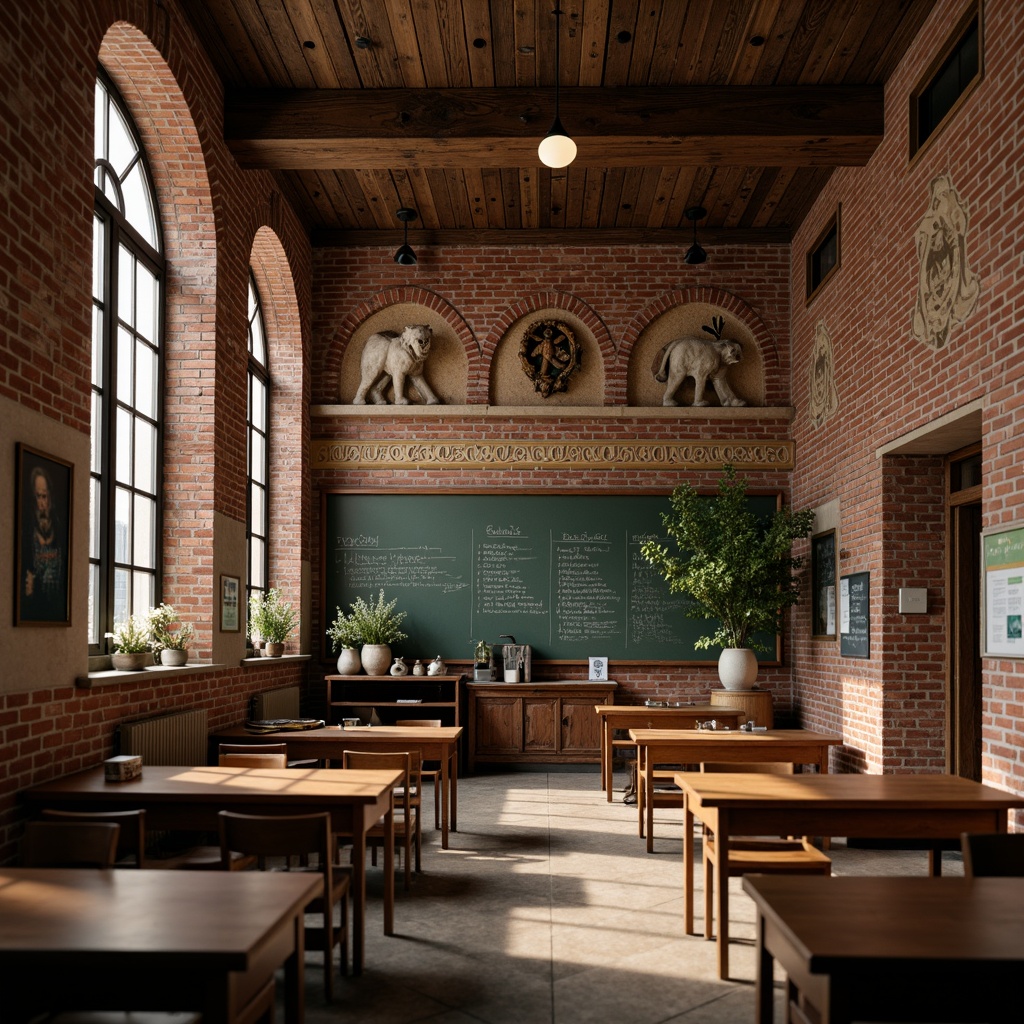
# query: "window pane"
143, 589
145, 456
98, 274
145, 302
257, 468
96, 434
99, 123
121, 150
146, 369
144, 546
120, 595
257, 346
258, 398
256, 578
122, 524
94, 518
124, 449
97, 345
125, 344
125, 281
94, 618
138, 210
257, 506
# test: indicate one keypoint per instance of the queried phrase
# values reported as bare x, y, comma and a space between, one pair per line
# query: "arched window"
127, 375
258, 450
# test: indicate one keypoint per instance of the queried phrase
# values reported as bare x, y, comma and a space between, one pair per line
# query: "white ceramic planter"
376, 659
131, 662
737, 668
173, 658
349, 663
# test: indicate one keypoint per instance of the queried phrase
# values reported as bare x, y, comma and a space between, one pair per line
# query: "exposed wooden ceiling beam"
489, 128
469, 237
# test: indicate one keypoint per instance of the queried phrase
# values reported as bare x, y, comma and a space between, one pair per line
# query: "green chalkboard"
560, 572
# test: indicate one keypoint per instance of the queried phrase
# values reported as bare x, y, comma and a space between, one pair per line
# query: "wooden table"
81, 939
190, 799
891, 949
633, 716
937, 807
676, 746
433, 742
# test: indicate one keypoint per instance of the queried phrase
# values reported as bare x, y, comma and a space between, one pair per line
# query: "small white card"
599, 670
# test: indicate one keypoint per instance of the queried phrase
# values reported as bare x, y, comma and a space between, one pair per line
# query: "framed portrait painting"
44, 494
230, 621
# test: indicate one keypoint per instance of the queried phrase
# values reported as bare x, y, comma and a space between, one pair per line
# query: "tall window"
127, 375
256, 430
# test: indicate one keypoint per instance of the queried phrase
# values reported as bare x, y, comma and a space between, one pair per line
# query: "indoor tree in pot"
734, 568
133, 644
375, 626
273, 619
170, 644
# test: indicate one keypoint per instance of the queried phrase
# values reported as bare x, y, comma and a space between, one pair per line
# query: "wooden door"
540, 724
580, 727
497, 725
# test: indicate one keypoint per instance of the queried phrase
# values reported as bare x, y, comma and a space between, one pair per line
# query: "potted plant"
273, 619
170, 644
133, 644
374, 626
346, 637
734, 568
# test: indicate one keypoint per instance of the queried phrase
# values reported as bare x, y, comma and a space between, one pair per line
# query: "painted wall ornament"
947, 289
550, 356
823, 402
392, 358
701, 359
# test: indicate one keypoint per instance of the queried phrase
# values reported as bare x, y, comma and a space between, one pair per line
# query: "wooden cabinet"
535, 723
394, 697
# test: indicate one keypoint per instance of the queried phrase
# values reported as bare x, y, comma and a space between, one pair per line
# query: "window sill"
110, 677
275, 661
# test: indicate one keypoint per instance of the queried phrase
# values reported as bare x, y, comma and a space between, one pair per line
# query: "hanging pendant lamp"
556, 149
696, 253
405, 256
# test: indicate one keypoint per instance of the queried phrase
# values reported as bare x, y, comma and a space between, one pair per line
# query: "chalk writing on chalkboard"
562, 573
854, 615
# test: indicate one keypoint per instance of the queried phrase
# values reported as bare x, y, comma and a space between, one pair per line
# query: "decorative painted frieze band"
525, 455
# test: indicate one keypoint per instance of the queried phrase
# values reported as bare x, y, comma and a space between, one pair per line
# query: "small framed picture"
42, 539
599, 670
230, 621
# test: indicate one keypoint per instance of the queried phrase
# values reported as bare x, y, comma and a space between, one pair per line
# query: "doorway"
964, 704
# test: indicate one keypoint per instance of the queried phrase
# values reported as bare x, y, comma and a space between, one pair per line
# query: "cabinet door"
540, 724
580, 726
498, 725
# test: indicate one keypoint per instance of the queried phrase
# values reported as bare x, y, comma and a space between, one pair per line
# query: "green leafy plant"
270, 618
162, 622
732, 566
132, 636
367, 624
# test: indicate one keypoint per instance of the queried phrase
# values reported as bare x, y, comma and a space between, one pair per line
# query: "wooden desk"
937, 807
81, 939
669, 746
891, 949
633, 716
434, 744
190, 798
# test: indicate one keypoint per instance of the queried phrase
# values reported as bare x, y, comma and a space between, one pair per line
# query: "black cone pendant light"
695, 254
405, 254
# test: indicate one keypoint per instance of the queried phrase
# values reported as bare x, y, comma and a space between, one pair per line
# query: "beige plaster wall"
447, 368
746, 378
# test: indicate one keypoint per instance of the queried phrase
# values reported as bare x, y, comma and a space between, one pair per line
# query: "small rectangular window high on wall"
953, 74
823, 256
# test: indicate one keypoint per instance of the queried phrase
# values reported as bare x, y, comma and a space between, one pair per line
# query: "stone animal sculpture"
390, 357
702, 359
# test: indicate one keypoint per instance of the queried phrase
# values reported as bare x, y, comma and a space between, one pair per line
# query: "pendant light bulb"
556, 149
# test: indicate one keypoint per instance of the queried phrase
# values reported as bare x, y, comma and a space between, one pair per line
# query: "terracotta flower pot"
132, 661
274, 650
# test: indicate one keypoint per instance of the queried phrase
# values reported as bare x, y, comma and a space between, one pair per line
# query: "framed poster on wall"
823, 585
855, 615
1002, 591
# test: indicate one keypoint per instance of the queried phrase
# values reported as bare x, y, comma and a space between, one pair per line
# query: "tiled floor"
547, 910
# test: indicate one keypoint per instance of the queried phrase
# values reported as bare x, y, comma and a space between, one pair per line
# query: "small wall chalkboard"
561, 572
854, 615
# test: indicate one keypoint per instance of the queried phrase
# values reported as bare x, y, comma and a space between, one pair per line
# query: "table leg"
687, 868
389, 867
640, 783
649, 800
444, 801
358, 893
722, 892
764, 985
294, 982
606, 758
455, 788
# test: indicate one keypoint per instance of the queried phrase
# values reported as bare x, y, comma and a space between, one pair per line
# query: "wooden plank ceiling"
743, 107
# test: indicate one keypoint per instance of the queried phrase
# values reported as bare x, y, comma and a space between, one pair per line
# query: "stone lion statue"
701, 359
390, 357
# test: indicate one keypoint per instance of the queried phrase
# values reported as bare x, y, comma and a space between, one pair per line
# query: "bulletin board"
1002, 591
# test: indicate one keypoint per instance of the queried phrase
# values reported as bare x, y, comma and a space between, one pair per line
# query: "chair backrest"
993, 854
69, 844
253, 748
260, 760
407, 762
764, 767
131, 840
434, 723
291, 836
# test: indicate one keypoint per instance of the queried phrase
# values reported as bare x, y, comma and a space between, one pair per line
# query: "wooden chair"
258, 760
131, 840
999, 854
267, 748
297, 838
434, 771
764, 856
407, 802
69, 844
